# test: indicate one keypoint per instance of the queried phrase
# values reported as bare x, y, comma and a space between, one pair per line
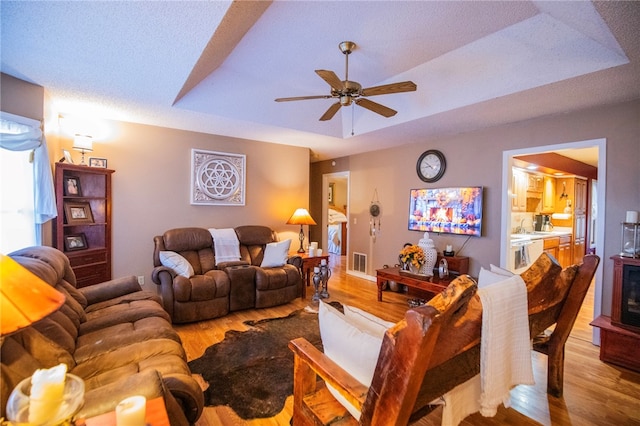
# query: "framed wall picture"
98, 162
75, 242
332, 188
217, 178
78, 213
72, 186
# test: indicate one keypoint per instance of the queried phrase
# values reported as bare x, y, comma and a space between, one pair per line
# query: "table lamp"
301, 217
24, 297
83, 143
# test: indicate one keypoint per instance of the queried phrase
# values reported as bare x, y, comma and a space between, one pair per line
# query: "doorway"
597, 198
335, 213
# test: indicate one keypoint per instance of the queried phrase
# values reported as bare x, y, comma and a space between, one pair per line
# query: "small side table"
308, 263
156, 415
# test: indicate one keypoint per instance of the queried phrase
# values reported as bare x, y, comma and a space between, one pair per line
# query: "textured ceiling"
216, 66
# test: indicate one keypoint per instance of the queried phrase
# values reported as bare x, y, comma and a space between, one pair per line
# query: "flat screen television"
446, 210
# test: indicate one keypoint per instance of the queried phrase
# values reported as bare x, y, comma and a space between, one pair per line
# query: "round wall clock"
431, 165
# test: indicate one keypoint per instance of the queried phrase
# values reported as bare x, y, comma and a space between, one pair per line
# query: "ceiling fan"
350, 91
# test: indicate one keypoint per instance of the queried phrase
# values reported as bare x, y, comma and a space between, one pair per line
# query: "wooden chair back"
435, 348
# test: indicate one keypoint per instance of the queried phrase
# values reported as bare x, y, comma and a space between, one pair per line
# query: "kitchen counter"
537, 235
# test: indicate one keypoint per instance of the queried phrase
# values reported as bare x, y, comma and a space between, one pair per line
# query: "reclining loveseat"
113, 335
200, 287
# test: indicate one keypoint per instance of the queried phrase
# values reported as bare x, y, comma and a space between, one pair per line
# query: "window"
27, 199
17, 220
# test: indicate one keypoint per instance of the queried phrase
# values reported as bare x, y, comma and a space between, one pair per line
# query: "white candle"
47, 391
632, 216
312, 251
323, 262
319, 252
314, 244
316, 270
131, 411
449, 248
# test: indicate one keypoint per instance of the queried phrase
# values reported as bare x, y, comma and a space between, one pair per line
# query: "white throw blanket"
225, 244
505, 353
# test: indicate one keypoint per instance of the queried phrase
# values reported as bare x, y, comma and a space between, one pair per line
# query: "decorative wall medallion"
217, 178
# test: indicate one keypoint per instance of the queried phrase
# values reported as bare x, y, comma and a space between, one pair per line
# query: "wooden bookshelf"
82, 229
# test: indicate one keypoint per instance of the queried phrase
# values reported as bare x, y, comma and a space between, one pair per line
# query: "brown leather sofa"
113, 335
215, 290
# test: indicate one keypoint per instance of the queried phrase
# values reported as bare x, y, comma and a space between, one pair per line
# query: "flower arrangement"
413, 254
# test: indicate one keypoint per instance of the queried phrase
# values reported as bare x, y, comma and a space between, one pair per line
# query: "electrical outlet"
141, 279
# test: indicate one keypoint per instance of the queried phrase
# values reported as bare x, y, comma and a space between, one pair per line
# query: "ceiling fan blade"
302, 98
376, 107
331, 112
331, 78
404, 86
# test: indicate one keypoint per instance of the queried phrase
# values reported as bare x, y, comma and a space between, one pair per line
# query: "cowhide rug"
252, 371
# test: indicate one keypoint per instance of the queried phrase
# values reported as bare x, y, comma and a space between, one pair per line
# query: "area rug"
252, 371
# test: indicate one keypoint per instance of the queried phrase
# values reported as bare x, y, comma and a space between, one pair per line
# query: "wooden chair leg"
555, 371
304, 383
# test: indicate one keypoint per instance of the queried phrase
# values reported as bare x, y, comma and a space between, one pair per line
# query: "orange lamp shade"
24, 297
301, 217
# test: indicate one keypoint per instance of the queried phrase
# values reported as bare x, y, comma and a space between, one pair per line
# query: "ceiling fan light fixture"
349, 92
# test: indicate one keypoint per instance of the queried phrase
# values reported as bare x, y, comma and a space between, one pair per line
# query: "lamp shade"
24, 297
301, 217
83, 143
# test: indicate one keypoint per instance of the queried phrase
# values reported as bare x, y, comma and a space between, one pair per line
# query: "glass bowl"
57, 412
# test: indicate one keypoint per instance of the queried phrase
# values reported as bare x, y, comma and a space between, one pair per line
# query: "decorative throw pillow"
275, 254
179, 264
366, 321
352, 340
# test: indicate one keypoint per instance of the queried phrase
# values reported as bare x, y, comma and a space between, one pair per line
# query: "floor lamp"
301, 217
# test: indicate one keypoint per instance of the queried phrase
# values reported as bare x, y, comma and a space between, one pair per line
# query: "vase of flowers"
412, 256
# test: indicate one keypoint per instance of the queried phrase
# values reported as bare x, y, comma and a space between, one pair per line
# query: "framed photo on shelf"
72, 186
66, 156
98, 162
78, 213
75, 242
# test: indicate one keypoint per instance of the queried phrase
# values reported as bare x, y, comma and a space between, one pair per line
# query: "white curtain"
21, 134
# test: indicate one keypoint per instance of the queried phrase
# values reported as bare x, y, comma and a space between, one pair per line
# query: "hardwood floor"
595, 393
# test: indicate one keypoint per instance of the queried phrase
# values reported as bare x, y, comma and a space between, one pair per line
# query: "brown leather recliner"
273, 286
113, 335
215, 290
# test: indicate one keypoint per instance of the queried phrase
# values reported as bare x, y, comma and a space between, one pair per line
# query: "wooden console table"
308, 263
435, 285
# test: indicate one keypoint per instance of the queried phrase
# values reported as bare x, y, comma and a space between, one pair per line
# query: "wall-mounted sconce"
83, 143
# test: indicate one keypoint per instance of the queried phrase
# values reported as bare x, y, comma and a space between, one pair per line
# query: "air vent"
359, 262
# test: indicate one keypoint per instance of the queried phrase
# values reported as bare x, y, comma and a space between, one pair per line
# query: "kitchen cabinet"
548, 194
579, 219
519, 184
534, 183
84, 193
579, 237
551, 246
565, 251
574, 189
580, 196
